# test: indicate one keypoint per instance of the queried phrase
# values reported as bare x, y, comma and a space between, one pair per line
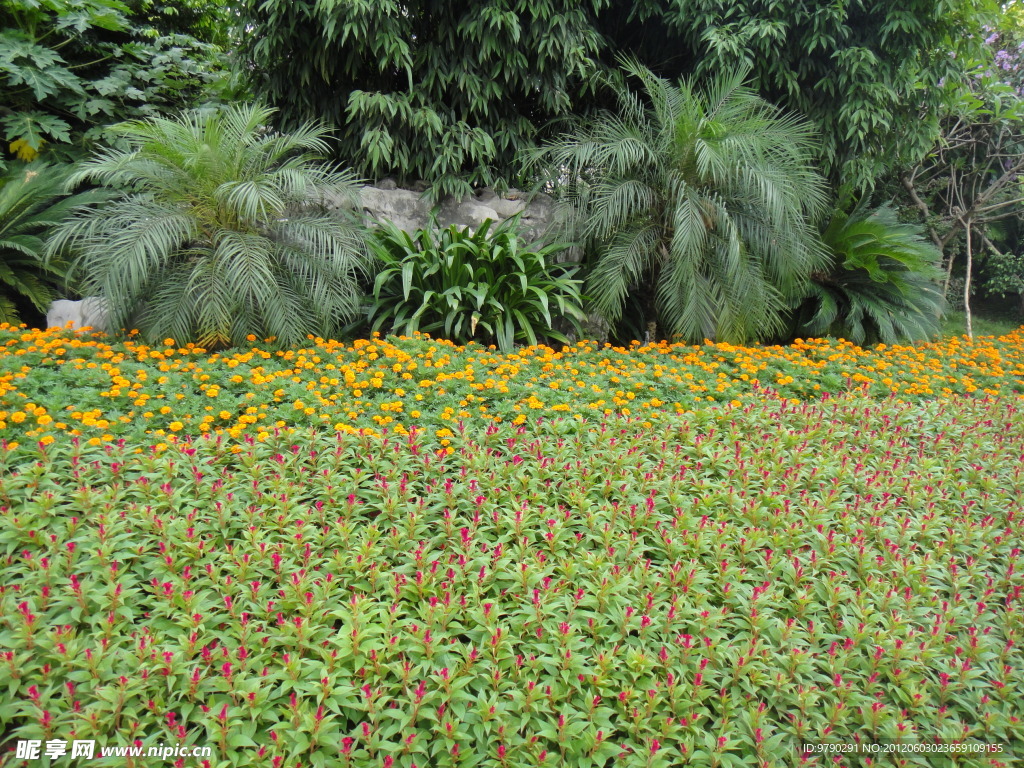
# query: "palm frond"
882, 283
218, 205
33, 201
724, 179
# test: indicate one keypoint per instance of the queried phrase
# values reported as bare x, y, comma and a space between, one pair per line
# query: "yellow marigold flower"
46, 439
17, 417
174, 426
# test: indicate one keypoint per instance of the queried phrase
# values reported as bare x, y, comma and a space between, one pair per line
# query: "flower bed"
51, 383
402, 551
715, 592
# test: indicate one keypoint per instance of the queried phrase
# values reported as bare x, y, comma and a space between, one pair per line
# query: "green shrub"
216, 232
472, 286
699, 199
882, 284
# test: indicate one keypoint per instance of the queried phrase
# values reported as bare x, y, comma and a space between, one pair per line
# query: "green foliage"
472, 286
32, 200
720, 591
216, 232
970, 181
447, 92
210, 21
69, 68
1004, 273
882, 284
984, 324
701, 198
867, 74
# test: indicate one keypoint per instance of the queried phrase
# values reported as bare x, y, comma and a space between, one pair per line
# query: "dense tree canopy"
425, 89
71, 68
866, 72
439, 89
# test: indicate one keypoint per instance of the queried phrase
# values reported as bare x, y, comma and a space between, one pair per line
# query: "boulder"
90, 312
404, 207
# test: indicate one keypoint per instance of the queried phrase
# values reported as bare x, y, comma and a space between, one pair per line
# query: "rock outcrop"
410, 210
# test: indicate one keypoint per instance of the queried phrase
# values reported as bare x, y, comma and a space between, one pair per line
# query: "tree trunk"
650, 304
967, 285
949, 275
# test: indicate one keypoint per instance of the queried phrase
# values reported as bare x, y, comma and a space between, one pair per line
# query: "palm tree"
218, 231
701, 200
31, 201
881, 285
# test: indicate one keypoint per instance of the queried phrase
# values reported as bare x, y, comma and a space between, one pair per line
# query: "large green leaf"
882, 284
462, 281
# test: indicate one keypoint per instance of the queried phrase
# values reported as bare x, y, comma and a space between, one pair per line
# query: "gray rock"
470, 212
404, 207
410, 210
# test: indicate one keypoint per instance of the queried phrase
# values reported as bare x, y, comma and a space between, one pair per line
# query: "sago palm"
218, 231
882, 283
32, 200
702, 199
